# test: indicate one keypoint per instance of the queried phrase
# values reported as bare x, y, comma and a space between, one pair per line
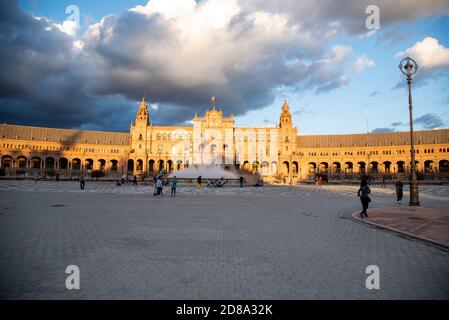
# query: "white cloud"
183, 52
361, 64
69, 27
428, 53
168, 9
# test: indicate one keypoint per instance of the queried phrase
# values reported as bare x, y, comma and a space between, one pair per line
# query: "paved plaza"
296, 242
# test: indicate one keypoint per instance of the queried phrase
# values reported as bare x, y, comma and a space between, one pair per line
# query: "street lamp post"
408, 66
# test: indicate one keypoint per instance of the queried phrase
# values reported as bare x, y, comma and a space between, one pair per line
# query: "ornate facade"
277, 153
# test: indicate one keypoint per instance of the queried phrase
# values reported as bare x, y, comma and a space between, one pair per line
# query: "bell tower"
142, 114
287, 133
286, 117
140, 138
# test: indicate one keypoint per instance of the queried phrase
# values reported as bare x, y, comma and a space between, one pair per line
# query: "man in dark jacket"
399, 190
363, 193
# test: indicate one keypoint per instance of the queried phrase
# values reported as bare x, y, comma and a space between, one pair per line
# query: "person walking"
174, 182
363, 193
36, 178
199, 181
399, 190
384, 183
82, 181
134, 180
159, 186
242, 180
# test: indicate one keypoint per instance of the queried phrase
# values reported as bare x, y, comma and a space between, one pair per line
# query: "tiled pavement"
232, 243
437, 192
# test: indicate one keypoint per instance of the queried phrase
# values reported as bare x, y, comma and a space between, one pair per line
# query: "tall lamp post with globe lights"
408, 67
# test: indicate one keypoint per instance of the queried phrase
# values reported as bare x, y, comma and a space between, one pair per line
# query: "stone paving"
427, 223
435, 192
232, 243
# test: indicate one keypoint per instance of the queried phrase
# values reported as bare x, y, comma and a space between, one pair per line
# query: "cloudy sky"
338, 75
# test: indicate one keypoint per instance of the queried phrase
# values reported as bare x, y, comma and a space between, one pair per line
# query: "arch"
349, 167
387, 166
265, 168
286, 166
312, 167
114, 165
22, 162
443, 166
151, 165
88, 164
63, 163
362, 166
295, 167
76, 164
102, 164
324, 167
337, 167
374, 166
130, 165
35, 163
274, 167
50, 163
139, 165
161, 165
401, 166
169, 165
6, 161
428, 166
255, 166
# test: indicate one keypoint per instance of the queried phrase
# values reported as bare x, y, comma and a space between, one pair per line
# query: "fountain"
205, 171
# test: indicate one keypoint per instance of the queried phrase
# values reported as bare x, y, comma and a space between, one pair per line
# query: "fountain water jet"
205, 171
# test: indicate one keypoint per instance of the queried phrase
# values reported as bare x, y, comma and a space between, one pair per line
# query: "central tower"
141, 137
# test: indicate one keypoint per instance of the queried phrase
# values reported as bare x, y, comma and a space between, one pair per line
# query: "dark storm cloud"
95, 80
43, 79
241, 63
429, 121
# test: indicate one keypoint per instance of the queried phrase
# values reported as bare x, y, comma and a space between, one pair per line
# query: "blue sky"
369, 99
351, 109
